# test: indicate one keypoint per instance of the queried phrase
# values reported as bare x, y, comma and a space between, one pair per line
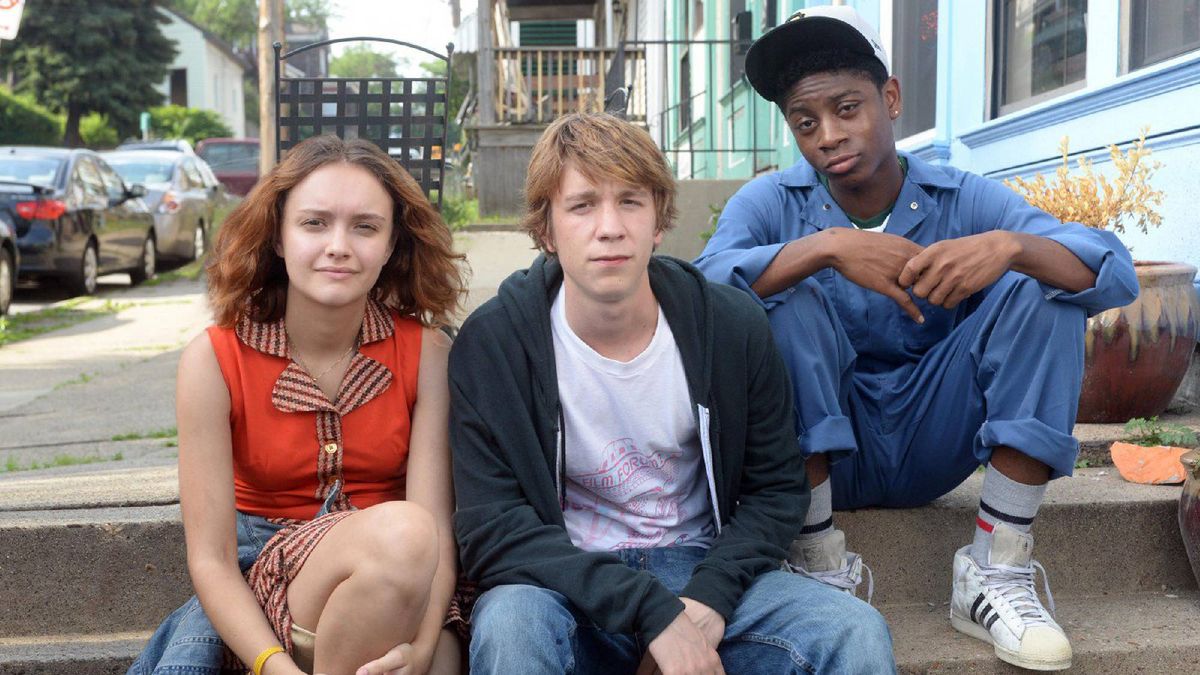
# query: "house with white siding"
206, 73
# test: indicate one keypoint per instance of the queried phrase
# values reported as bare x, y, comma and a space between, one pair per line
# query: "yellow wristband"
263, 656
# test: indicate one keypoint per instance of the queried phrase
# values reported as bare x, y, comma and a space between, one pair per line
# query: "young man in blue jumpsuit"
931, 320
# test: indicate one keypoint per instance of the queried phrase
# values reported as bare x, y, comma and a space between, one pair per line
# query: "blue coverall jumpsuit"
908, 410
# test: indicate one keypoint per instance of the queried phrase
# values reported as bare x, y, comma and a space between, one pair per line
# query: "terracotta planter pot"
1136, 355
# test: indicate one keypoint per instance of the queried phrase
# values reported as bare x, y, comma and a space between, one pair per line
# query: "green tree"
236, 21
22, 120
315, 13
192, 124
103, 57
362, 61
96, 132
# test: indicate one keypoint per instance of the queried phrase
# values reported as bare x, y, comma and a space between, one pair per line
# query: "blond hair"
600, 146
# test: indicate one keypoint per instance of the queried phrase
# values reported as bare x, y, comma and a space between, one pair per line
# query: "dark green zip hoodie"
508, 456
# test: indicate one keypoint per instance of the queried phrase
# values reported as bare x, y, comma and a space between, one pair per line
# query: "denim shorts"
187, 642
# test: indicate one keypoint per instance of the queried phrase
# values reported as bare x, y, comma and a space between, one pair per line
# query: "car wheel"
198, 241
7, 280
83, 282
147, 263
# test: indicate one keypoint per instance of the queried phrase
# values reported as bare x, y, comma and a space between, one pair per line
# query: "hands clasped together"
944, 273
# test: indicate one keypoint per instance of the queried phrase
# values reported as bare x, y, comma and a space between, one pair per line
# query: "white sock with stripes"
818, 522
1004, 500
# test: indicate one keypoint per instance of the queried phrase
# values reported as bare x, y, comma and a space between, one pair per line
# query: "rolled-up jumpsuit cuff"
833, 436
1032, 438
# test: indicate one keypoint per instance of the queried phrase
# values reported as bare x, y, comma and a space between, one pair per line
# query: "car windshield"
142, 171
40, 170
228, 157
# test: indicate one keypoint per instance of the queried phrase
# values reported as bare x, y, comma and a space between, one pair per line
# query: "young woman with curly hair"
314, 466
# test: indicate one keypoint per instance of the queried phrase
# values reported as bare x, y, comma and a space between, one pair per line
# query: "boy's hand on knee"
681, 649
706, 619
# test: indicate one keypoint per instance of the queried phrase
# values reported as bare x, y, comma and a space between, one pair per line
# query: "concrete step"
1128, 633
100, 654
1094, 531
99, 580
109, 569
90, 571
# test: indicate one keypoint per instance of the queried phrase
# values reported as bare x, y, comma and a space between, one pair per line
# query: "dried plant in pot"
1136, 355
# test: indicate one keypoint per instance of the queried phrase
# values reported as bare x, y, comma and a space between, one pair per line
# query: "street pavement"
105, 389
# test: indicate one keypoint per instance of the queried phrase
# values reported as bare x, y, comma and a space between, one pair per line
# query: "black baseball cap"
809, 30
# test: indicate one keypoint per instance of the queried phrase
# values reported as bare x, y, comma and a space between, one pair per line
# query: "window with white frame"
914, 63
1040, 51
1161, 29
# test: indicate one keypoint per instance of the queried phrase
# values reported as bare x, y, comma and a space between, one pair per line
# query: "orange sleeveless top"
291, 444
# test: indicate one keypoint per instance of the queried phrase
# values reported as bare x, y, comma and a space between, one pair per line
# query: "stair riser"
90, 578
96, 578
1126, 547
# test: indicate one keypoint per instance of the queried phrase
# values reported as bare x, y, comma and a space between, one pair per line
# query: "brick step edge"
1118, 633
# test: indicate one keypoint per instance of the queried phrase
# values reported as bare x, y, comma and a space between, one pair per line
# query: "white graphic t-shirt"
634, 473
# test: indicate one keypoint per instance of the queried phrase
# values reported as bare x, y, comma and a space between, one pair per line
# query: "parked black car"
8, 261
74, 217
185, 203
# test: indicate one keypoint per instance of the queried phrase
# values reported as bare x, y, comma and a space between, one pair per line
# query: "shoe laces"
1016, 585
847, 577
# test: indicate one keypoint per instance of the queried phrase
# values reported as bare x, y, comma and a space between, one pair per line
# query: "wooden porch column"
487, 64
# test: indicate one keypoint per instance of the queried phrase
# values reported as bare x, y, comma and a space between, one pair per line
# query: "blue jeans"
785, 623
187, 642
902, 435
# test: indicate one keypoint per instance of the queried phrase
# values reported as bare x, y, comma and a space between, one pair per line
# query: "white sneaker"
998, 603
826, 560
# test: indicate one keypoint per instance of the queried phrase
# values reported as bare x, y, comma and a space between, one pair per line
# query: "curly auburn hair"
600, 146
423, 278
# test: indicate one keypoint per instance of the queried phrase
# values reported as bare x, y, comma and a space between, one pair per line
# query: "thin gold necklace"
300, 359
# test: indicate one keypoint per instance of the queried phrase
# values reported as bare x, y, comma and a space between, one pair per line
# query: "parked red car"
233, 160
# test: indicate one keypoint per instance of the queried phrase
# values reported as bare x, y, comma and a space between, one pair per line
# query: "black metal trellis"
407, 117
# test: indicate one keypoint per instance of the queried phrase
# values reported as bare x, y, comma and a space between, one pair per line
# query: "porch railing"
538, 84
689, 94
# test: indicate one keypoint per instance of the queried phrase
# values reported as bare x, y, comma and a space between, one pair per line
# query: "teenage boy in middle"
625, 468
